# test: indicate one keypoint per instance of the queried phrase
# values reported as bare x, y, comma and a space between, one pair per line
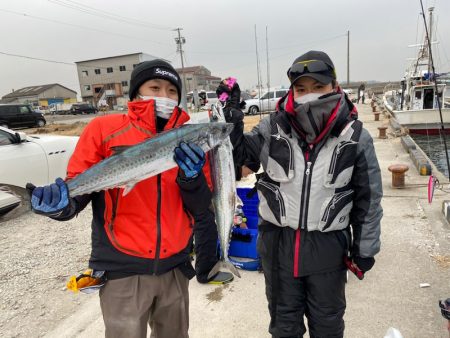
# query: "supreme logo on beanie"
155, 69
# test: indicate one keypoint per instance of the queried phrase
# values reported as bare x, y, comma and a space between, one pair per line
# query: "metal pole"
430, 38
258, 74
180, 42
267, 56
348, 58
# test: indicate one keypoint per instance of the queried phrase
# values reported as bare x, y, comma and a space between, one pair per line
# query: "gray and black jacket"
329, 192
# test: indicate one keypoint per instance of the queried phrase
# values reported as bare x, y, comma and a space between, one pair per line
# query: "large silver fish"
224, 196
132, 164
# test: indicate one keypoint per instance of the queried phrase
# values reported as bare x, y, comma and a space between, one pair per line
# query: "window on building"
109, 70
122, 68
97, 71
124, 83
87, 87
84, 73
97, 90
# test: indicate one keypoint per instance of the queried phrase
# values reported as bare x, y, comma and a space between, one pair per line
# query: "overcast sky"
219, 35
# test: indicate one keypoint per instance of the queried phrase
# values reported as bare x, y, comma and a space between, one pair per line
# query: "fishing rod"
442, 130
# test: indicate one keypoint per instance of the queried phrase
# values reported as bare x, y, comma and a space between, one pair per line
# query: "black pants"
320, 296
205, 240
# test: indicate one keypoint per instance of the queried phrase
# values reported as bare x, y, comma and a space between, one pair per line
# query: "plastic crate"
243, 243
246, 264
250, 207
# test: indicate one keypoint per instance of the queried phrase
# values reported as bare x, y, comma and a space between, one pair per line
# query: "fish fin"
227, 265
128, 188
20, 206
232, 268
215, 270
119, 149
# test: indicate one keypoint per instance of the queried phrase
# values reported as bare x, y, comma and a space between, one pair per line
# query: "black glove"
364, 263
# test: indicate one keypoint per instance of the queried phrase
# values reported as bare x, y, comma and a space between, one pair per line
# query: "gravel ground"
37, 257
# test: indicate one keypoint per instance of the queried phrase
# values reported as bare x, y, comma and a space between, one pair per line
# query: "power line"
106, 15
55, 61
38, 59
79, 26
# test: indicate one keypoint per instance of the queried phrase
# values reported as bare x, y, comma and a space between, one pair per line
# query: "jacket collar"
142, 113
340, 115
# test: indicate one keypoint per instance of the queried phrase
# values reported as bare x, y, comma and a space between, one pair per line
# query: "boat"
415, 104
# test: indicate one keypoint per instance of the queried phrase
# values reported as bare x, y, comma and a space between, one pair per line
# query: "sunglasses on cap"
309, 66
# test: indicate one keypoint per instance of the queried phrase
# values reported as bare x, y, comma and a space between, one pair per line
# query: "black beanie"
155, 69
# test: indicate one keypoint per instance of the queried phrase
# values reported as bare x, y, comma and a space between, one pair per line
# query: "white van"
266, 103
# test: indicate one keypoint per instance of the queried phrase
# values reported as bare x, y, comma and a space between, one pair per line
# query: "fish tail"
20, 202
226, 265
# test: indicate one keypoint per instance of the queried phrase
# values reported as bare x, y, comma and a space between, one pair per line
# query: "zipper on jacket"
305, 190
158, 226
111, 227
333, 203
278, 197
336, 154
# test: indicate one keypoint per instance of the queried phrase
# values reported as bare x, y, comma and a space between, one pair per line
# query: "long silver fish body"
224, 195
146, 159
130, 165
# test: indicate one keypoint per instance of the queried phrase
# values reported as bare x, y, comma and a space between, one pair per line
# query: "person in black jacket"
229, 95
320, 194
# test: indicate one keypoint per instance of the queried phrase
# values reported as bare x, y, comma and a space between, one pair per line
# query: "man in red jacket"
143, 240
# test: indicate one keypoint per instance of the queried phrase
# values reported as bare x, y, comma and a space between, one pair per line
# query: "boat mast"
430, 33
442, 130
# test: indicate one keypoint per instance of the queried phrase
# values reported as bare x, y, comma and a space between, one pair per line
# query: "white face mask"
308, 98
163, 105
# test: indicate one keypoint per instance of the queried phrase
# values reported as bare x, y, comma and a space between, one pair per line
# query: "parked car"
207, 99
266, 103
36, 159
83, 108
20, 115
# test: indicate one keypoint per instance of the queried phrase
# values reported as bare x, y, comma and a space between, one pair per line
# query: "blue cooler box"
243, 241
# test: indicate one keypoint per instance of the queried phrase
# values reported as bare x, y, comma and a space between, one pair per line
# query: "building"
42, 96
105, 81
199, 77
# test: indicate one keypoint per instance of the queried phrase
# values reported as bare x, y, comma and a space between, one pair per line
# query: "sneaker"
221, 278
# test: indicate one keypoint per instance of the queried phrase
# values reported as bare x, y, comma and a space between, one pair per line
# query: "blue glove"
190, 158
51, 199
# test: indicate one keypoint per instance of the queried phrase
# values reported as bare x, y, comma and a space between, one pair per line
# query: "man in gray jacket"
319, 197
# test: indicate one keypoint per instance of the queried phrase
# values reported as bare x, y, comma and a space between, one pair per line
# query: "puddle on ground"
216, 295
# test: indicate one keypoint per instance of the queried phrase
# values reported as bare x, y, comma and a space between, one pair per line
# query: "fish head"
218, 132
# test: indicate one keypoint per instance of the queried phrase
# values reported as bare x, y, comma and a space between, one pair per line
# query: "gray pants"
130, 304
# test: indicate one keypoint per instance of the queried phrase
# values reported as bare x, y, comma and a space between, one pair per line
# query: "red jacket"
148, 230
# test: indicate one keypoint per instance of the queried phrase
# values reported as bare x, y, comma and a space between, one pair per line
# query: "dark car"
20, 115
83, 108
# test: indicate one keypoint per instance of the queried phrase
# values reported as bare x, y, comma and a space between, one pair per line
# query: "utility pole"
258, 73
267, 56
348, 58
180, 41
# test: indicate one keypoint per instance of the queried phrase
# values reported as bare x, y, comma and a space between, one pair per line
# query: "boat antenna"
442, 129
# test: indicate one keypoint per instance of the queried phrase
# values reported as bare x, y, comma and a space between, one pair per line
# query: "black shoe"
221, 278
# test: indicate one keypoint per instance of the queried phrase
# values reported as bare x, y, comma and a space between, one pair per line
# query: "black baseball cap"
314, 64
154, 69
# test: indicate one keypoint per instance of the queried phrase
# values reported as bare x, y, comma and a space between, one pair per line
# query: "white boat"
415, 105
